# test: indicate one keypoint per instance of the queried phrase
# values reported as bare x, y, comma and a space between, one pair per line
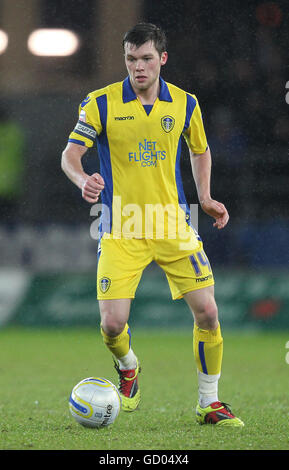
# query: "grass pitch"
39, 368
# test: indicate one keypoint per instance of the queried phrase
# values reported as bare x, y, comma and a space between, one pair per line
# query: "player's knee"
207, 316
211, 316
111, 326
114, 315
111, 323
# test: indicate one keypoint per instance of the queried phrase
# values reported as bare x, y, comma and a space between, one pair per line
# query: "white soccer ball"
95, 402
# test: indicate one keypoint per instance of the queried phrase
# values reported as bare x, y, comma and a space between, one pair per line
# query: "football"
95, 402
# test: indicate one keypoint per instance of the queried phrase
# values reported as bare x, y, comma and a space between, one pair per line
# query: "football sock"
120, 347
208, 352
208, 388
128, 362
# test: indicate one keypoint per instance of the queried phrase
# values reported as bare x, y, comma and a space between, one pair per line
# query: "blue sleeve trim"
191, 104
75, 141
102, 107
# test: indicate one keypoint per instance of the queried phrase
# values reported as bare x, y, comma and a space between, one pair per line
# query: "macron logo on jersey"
147, 154
124, 118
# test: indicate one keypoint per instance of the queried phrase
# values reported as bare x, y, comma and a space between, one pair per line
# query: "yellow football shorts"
122, 261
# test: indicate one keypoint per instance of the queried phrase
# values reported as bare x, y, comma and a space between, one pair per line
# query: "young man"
138, 126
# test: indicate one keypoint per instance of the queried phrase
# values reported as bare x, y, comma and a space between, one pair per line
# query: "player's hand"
217, 210
92, 187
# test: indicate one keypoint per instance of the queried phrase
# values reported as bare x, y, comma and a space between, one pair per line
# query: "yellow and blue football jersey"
139, 151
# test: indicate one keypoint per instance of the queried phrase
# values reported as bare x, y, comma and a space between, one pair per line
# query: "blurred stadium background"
234, 56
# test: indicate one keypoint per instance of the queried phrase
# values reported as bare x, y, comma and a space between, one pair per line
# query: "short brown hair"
143, 32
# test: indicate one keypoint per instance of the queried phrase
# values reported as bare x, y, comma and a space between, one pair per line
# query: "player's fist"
92, 187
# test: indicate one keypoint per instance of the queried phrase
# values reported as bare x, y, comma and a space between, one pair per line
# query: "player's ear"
164, 58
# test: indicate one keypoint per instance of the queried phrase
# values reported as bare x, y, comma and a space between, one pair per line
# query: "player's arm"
201, 168
90, 185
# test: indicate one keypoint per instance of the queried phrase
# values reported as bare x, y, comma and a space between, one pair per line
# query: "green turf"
39, 368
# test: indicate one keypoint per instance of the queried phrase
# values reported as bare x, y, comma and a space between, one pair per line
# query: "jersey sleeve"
194, 132
88, 126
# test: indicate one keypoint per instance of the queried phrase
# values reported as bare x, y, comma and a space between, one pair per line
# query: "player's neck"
149, 95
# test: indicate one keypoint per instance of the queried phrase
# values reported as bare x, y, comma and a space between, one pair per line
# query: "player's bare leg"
204, 308
117, 337
208, 352
114, 315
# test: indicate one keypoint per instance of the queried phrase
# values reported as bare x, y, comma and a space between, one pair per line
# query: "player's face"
143, 64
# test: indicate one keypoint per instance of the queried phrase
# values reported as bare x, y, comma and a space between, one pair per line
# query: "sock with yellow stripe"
208, 352
120, 347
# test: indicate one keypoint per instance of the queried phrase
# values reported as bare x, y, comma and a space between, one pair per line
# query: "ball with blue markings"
95, 402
